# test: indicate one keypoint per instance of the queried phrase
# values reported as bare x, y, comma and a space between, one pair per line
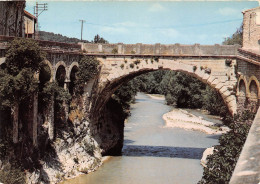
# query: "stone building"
29, 24
251, 29
12, 18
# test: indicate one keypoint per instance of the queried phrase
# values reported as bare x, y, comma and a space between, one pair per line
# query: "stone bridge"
230, 70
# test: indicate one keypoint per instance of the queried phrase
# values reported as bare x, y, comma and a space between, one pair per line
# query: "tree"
98, 39
18, 82
236, 38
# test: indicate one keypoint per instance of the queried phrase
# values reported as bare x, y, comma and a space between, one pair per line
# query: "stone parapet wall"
172, 49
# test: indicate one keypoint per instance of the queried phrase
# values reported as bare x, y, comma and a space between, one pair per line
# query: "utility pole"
38, 9
82, 21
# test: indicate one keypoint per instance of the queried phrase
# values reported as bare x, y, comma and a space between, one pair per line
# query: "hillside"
49, 36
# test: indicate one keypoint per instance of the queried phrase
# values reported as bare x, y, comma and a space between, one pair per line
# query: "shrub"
88, 69
114, 51
228, 62
194, 68
156, 59
132, 52
136, 62
122, 66
132, 65
224, 158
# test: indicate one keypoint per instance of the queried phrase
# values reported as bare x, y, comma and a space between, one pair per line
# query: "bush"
88, 69
132, 65
114, 51
136, 62
222, 162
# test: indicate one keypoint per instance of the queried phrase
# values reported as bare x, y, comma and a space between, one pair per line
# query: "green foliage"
236, 38
23, 59
23, 53
98, 39
88, 69
213, 102
114, 51
136, 62
132, 65
224, 158
52, 89
49, 36
122, 66
125, 95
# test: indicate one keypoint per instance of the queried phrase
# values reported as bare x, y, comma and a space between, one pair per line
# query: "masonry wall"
251, 29
12, 18
247, 98
171, 49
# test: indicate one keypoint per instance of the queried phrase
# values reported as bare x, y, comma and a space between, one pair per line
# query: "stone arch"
253, 86
60, 73
242, 87
51, 69
115, 78
74, 67
60, 64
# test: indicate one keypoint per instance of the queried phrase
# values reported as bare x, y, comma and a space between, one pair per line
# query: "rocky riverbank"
72, 155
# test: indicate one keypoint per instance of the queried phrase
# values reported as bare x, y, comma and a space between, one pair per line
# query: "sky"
150, 22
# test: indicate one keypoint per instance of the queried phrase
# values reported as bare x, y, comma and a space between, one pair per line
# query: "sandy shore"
182, 119
156, 96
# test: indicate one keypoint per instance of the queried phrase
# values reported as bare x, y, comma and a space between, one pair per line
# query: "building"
30, 22
12, 18
251, 30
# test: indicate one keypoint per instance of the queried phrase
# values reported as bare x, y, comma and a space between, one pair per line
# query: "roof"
251, 9
29, 15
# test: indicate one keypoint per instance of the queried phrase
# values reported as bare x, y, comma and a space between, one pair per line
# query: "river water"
153, 154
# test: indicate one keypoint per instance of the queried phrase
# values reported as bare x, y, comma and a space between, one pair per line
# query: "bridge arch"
60, 65
46, 62
126, 70
242, 87
73, 69
253, 86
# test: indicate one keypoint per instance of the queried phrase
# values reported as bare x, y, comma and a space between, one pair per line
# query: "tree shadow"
214, 136
162, 151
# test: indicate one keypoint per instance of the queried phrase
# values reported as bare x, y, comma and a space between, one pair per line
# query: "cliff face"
12, 18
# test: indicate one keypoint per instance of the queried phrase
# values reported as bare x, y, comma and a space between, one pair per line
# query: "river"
153, 154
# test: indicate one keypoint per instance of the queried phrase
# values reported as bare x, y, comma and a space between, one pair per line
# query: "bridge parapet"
171, 49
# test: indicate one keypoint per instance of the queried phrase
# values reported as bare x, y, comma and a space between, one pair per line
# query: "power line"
172, 26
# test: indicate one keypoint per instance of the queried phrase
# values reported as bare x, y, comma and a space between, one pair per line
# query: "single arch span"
212, 71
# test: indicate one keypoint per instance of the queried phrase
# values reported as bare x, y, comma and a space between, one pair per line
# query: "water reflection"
163, 151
